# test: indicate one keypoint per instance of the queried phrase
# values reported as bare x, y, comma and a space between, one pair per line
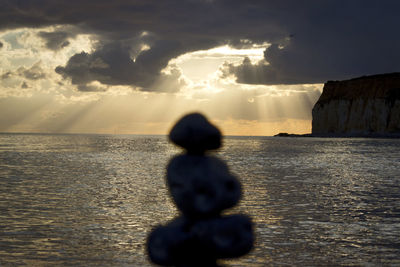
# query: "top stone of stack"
196, 134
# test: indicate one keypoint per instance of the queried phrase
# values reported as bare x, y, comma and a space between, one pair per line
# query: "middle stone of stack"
202, 186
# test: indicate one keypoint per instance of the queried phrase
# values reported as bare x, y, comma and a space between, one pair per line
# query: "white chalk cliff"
364, 106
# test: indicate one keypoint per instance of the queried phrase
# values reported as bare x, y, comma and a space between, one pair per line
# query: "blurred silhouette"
201, 187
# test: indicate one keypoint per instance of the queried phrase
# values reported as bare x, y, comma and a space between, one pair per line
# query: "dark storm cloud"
56, 40
335, 40
114, 64
312, 41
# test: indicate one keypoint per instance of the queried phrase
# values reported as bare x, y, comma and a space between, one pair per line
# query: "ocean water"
91, 200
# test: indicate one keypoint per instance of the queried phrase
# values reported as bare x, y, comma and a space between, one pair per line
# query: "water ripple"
88, 200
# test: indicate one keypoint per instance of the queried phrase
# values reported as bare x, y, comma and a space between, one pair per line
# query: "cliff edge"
364, 106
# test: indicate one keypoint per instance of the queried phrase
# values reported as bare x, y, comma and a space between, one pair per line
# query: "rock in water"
165, 243
228, 236
184, 242
195, 134
201, 187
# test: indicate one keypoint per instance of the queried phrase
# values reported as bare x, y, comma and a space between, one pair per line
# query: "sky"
252, 67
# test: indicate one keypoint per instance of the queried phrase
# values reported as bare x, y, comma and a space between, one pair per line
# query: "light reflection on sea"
85, 200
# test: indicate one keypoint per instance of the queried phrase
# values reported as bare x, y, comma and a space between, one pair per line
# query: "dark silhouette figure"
201, 187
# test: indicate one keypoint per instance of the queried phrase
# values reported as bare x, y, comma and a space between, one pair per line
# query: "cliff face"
367, 105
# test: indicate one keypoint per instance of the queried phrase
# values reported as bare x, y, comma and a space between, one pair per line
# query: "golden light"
239, 109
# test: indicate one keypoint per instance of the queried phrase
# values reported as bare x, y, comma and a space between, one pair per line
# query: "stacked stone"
201, 187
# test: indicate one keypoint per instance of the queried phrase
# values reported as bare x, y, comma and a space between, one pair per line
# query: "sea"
91, 200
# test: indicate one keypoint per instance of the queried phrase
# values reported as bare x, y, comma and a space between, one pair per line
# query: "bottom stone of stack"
184, 242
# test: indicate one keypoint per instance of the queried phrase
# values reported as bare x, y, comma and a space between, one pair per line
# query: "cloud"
35, 72
6, 75
93, 87
56, 40
1, 45
116, 64
311, 41
24, 85
336, 41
